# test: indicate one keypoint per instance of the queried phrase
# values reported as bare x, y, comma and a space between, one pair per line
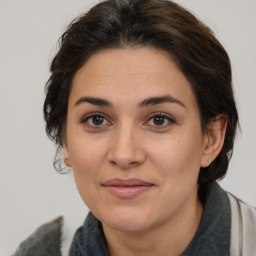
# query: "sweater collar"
213, 234
89, 239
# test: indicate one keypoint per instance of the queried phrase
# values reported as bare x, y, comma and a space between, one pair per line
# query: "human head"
159, 24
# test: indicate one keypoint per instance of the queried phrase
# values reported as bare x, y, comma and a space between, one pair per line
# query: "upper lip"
126, 183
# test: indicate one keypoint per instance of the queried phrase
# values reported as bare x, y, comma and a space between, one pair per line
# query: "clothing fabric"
89, 239
243, 228
45, 241
213, 234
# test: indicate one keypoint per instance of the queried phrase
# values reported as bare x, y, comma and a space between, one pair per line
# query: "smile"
127, 189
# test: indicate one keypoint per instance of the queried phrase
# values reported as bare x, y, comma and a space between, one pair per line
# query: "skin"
125, 141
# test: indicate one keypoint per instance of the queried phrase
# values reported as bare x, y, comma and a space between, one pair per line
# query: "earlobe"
215, 136
66, 157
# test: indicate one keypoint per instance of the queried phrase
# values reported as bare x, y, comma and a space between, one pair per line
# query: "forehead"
130, 75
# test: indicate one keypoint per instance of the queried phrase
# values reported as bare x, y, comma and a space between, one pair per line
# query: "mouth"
127, 189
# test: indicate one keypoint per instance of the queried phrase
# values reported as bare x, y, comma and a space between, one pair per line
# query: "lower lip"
127, 192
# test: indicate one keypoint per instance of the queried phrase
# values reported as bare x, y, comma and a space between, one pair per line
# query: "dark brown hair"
160, 24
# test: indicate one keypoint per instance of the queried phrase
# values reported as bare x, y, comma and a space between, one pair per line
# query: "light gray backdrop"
31, 193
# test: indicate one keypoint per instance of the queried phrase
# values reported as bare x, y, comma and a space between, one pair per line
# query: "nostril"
124, 165
113, 162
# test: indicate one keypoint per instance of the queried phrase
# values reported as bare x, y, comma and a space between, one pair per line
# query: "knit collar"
89, 239
213, 234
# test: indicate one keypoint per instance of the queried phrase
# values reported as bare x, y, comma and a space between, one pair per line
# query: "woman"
140, 100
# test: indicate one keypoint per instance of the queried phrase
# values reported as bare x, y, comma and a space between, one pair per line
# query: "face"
134, 138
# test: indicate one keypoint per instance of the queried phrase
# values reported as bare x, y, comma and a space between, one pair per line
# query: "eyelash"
166, 117
85, 120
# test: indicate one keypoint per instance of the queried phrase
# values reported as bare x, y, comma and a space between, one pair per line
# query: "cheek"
85, 152
178, 158
178, 164
87, 158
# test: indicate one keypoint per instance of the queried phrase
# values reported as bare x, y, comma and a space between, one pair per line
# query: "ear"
66, 157
214, 139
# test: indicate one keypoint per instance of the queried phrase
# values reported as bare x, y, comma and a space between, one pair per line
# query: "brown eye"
158, 120
97, 120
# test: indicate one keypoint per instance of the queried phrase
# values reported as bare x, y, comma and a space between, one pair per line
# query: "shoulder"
247, 211
243, 226
45, 240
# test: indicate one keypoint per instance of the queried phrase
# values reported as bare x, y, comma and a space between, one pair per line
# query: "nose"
126, 150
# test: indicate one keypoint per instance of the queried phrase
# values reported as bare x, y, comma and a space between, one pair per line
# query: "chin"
128, 226
126, 220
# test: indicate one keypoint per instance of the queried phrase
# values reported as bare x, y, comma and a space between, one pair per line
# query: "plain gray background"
31, 192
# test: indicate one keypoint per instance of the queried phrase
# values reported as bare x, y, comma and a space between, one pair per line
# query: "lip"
127, 189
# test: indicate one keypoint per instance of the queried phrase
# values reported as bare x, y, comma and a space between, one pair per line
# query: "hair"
159, 24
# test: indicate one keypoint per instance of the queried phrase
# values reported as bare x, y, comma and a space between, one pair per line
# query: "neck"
170, 238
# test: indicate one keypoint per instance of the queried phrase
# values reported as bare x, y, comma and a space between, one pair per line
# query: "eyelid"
161, 114
165, 115
92, 114
85, 118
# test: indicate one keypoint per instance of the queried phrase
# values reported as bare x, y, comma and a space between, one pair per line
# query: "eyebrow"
146, 102
94, 101
159, 100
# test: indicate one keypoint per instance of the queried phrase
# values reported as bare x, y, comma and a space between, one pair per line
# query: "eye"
95, 120
160, 120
